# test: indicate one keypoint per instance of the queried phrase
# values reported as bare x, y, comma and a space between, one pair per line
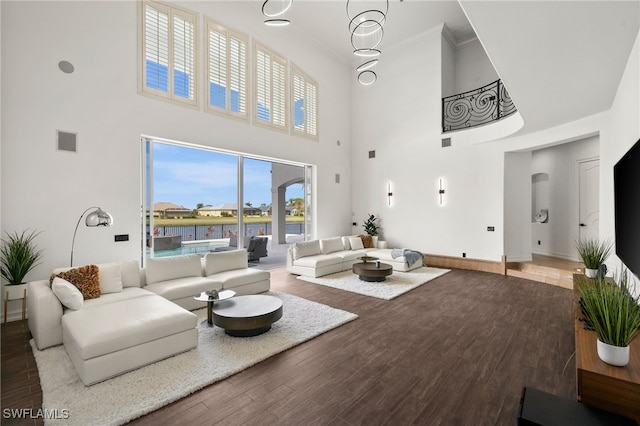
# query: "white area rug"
396, 284
144, 390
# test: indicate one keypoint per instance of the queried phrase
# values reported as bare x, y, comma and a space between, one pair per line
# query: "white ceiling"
560, 60
326, 23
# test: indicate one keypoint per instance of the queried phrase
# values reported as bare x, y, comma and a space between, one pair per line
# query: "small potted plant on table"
593, 252
614, 313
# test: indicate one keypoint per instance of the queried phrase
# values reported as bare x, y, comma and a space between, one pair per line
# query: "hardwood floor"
455, 351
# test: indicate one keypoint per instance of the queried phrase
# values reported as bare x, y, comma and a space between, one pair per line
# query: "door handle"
582, 224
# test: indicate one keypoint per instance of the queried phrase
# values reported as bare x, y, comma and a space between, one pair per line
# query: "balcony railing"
476, 107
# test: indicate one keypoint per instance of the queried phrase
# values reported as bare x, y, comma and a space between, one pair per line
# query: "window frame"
229, 34
172, 12
284, 64
309, 120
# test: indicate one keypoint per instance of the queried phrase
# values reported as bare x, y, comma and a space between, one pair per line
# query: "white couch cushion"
306, 248
225, 261
105, 329
169, 268
238, 277
179, 288
356, 243
319, 260
67, 293
110, 278
130, 274
331, 245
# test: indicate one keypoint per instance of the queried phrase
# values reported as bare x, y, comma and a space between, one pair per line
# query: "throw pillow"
330, 245
367, 241
67, 293
306, 248
85, 278
356, 243
110, 280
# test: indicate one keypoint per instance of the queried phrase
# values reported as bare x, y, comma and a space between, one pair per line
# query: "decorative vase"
591, 273
614, 355
374, 238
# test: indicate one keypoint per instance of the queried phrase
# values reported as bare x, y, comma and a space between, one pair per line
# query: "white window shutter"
227, 74
169, 52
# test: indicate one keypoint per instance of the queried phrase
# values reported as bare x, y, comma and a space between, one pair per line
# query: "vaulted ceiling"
560, 60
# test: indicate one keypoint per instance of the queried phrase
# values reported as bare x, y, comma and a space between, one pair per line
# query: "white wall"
473, 67
48, 190
399, 118
517, 215
621, 133
560, 162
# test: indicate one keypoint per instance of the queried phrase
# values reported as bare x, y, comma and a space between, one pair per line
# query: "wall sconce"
441, 192
389, 193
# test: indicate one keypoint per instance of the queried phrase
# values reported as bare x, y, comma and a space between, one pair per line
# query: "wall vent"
446, 142
372, 154
67, 141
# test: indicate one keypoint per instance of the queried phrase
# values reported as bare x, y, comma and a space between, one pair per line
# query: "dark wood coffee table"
245, 316
372, 271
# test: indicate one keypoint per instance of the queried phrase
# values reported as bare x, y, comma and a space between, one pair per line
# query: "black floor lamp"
98, 217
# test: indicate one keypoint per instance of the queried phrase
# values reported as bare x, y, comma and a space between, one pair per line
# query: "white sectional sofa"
330, 255
140, 316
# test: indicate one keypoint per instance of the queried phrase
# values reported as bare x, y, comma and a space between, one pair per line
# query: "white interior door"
589, 182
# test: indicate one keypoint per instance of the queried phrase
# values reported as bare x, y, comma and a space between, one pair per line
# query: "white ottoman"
114, 338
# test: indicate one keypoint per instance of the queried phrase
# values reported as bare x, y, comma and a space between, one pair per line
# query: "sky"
188, 176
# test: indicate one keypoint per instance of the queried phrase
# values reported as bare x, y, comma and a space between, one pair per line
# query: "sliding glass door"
198, 199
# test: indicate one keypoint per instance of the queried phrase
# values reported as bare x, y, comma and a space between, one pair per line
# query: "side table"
204, 297
15, 292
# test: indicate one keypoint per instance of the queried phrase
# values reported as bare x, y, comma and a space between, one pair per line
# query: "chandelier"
274, 11
367, 30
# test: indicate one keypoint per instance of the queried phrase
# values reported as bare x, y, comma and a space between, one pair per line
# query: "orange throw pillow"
367, 241
85, 278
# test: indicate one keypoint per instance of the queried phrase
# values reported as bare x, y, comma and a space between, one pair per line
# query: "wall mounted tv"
626, 180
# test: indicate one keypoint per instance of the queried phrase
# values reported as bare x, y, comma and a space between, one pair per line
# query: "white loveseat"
140, 316
330, 255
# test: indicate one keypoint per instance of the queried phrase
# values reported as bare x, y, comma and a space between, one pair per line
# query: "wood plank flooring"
455, 351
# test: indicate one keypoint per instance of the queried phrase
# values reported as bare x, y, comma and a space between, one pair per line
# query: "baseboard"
466, 263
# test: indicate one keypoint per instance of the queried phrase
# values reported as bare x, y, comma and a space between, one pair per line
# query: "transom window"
168, 42
305, 103
270, 88
226, 70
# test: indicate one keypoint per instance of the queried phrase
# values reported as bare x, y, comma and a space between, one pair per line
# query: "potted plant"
593, 252
371, 228
614, 313
18, 255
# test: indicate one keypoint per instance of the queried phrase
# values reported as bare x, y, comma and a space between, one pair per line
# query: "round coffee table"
245, 316
372, 271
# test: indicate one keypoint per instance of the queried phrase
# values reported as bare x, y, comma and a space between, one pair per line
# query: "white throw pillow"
306, 248
346, 243
221, 261
169, 268
330, 245
356, 243
67, 293
110, 278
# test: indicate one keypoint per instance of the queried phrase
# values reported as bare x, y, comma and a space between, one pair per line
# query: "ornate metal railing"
476, 107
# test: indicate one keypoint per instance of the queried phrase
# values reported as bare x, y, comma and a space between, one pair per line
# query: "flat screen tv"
626, 180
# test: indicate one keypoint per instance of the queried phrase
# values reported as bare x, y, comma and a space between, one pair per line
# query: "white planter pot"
614, 355
591, 273
375, 240
15, 291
